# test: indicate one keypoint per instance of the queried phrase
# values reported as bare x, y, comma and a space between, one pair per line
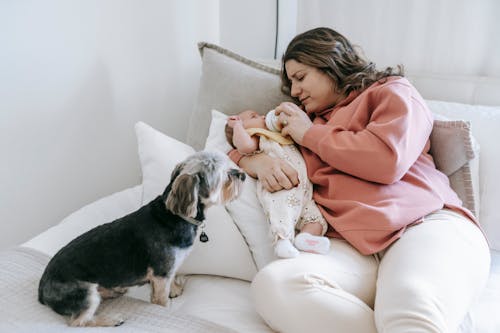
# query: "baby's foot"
285, 249
310, 243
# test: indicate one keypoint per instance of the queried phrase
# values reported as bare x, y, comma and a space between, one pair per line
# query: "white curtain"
427, 36
75, 75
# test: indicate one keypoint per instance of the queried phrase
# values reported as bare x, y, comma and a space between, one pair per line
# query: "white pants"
424, 282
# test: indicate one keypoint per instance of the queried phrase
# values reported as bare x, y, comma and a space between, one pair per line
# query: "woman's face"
314, 88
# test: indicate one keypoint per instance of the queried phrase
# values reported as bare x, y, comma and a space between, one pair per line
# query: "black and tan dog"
146, 246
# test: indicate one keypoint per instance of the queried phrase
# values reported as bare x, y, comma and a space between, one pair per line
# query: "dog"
146, 246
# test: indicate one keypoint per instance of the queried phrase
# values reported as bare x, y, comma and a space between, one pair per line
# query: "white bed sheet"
222, 300
98, 212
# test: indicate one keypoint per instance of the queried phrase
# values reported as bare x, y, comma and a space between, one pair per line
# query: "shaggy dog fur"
146, 246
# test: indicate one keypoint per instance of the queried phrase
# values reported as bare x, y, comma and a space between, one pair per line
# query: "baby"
287, 210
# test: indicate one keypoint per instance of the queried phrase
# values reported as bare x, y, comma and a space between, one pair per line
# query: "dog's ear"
175, 173
183, 196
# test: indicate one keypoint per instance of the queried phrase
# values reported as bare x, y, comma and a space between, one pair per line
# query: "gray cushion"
231, 83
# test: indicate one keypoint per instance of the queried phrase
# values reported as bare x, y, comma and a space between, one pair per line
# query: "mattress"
227, 301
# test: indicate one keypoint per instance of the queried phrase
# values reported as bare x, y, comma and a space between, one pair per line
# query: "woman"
405, 255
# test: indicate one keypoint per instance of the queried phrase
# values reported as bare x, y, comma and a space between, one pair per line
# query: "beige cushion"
453, 148
231, 83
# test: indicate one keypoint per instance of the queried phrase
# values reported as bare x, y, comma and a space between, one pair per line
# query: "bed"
218, 273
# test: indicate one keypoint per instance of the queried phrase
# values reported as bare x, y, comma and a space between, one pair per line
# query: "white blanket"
20, 311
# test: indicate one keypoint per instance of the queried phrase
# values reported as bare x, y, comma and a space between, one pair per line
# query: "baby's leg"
306, 242
285, 249
312, 227
283, 209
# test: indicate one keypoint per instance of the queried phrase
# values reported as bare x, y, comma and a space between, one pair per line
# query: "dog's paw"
175, 292
118, 319
109, 320
177, 286
119, 322
163, 301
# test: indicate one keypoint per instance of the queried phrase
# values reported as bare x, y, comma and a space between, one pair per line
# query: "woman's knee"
428, 279
409, 307
268, 291
269, 284
294, 301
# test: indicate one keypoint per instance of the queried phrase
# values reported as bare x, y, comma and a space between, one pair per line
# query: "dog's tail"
65, 298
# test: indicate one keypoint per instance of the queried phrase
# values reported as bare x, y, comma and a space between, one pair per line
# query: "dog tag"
203, 237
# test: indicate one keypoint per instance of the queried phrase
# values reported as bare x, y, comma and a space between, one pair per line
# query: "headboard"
477, 90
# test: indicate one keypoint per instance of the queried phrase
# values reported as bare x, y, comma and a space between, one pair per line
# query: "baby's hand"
233, 120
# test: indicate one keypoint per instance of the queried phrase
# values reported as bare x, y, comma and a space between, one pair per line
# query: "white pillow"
226, 253
158, 155
216, 138
252, 222
246, 211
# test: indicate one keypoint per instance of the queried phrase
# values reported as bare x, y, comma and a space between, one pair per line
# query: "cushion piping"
249, 62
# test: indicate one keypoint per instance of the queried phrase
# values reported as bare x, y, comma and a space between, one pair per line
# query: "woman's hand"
274, 174
294, 120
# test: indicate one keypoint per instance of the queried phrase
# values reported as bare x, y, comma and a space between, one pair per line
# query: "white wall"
453, 37
74, 78
77, 75
248, 27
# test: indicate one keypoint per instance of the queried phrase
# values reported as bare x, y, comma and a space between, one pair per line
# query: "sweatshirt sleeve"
235, 156
383, 151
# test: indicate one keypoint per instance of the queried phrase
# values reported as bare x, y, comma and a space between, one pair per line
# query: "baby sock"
310, 243
285, 249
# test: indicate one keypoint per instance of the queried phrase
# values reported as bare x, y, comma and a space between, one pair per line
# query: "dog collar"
198, 223
192, 220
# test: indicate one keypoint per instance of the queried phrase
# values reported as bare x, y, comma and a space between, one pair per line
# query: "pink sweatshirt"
368, 158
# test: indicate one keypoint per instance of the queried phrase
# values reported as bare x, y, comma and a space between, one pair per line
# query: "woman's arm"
274, 174
396, 135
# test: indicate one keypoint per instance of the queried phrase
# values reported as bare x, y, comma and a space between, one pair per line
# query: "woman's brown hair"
332, 53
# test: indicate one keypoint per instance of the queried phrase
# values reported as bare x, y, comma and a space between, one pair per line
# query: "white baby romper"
288, 210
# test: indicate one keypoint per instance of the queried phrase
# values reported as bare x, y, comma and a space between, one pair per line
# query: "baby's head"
249, 119
252, 119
